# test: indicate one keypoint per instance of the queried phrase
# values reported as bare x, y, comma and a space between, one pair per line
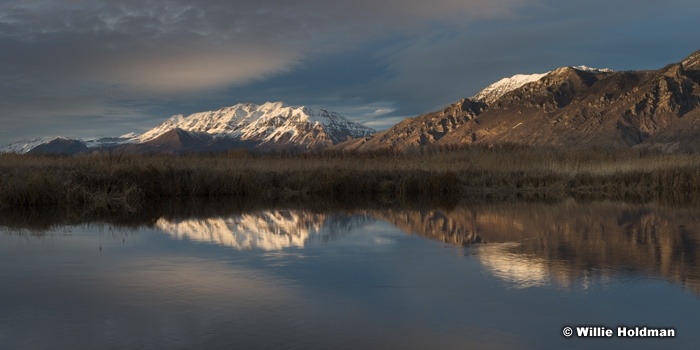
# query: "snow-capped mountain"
25, 146
269, 124
103, 142
245, 125
494, 91
65, 145
572, 106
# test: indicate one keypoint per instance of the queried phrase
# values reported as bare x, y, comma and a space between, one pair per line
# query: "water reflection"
268, 230
400, 277
569, 244
522, 271
527, 245
263, 229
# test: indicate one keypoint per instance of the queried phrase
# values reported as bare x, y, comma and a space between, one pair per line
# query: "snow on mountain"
494, 91
25, 146
110, 141
271, 122
692, 62
593, 70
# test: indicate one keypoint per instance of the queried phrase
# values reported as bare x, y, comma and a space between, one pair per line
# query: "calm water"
505, 276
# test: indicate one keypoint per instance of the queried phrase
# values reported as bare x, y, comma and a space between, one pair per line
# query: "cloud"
98, 53
176, 46
160, 49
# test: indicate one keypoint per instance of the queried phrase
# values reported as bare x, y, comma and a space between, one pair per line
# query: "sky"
94, 68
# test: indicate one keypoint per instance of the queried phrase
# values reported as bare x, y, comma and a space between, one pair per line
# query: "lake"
487, 276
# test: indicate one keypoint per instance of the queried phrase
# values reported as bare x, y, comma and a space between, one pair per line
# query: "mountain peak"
584, 68
496, 90
273, 106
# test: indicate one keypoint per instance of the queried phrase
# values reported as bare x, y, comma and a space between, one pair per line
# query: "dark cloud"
79, 58
172, 46
87, 63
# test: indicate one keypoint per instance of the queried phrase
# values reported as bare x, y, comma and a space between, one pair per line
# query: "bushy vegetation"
109, 182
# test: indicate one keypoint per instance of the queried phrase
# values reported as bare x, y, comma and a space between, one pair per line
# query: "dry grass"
109, 182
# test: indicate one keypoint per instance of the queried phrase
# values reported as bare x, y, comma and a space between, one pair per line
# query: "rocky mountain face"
264, 127
423, 130
567, 107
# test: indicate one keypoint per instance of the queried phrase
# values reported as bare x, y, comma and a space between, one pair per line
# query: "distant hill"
60, 145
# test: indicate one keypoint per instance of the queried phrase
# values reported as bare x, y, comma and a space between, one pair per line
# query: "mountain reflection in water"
263, 229
569, 243
268, 230
525, 244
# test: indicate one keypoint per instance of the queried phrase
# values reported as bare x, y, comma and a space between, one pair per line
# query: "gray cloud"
171, 46
72, 58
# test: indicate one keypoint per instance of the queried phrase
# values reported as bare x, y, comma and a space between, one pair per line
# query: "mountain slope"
573, 108
423, 130
567, 107
547, 111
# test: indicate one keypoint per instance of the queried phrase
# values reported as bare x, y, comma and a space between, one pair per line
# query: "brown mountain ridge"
568, 107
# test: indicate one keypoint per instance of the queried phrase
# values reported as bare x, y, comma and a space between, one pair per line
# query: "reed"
123, 182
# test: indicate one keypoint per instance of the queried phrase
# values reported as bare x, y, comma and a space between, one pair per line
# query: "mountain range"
571, 107
270, 126
567, 107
